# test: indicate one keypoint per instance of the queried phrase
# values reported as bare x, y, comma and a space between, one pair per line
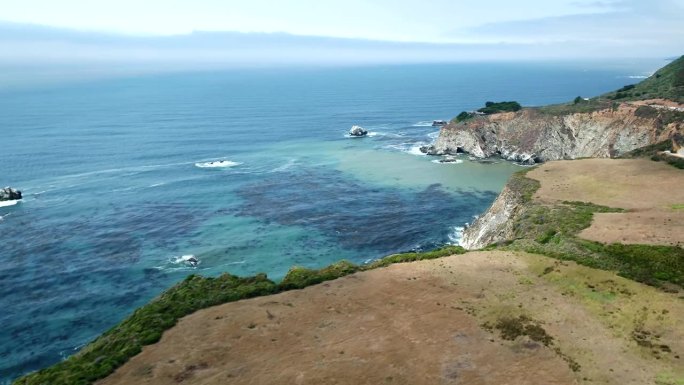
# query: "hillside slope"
479, 318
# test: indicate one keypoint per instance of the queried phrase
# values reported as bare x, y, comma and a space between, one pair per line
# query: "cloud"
644, 28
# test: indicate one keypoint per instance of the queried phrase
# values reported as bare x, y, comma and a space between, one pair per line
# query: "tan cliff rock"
533, 135
493, 225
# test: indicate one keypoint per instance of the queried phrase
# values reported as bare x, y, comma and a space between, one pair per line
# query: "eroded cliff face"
494, 225
533, 136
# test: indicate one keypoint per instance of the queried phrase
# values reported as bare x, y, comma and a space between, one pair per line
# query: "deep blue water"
114, 195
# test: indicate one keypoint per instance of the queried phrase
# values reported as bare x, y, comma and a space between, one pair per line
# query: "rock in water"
358, 131
9, 194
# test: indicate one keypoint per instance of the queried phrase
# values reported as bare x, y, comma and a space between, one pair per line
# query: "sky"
469, 21
215, 33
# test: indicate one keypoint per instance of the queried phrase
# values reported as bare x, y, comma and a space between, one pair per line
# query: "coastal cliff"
535, 135
605, 126
495, 225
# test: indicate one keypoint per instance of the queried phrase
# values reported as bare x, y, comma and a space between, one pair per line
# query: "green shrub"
493, 108
410, 257
463, 116
301, 277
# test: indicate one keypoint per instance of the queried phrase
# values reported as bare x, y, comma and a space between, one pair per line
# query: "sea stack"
358, 131
9, 194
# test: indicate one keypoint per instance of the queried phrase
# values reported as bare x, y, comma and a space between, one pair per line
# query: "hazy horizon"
79, 38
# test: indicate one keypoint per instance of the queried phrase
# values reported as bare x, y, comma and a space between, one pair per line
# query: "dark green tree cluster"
463, 116
493, 108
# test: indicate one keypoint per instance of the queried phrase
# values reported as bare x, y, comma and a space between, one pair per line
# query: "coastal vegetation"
666, 83
493, 108
463, 116
146, 325
654, 152
488, 109
551, 230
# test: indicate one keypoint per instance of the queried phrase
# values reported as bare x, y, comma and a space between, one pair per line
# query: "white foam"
637, 76
9, 203
409, 148
157, 184
134, 169
187, 260
433, 135
456, 235
217, 164
423, 124
455, 161
415, 150
285, 166
385, 134
369, 134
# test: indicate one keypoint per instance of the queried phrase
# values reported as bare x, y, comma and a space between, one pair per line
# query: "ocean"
120, 188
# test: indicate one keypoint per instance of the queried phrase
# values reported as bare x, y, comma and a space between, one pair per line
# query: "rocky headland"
533, 136
606, 126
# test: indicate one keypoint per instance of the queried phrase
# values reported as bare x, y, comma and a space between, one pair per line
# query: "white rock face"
493, 225
358, 131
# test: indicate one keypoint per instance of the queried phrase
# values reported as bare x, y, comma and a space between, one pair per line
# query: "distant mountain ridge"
30, 44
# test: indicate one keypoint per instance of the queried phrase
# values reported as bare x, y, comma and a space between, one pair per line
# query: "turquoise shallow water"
114, 195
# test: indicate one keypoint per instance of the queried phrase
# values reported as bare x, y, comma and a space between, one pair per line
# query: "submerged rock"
9, 194
450, 159
358, 131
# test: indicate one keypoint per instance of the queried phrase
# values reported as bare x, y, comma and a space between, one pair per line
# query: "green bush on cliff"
410, 257
666, 83
524, 186
463, 116
301, 277
493, 108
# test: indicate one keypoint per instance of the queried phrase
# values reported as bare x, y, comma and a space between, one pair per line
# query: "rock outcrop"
678, 144
494, 225
534, 135
9, 194
357, 131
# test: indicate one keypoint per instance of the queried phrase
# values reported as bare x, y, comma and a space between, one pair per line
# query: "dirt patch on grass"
647, 190
422, 323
